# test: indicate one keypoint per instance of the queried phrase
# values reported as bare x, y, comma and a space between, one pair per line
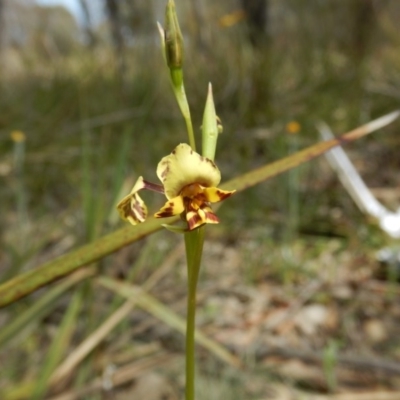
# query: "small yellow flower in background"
18, 136
190, 182
293, 127
190, 185
232, 18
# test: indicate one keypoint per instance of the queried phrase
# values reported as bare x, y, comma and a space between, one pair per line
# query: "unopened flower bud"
173, 38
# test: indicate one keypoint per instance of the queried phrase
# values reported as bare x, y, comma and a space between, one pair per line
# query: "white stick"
355, 186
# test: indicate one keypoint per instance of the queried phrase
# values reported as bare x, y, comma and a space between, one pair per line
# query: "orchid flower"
189, 181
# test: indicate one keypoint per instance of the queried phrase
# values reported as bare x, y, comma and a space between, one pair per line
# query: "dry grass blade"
283, 392
163, 313
120, 376
32, 280
270, 170
352, 361
43, 305
359, 396
60, 345
90, 343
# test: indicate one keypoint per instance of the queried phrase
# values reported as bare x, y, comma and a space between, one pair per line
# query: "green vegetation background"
96, 115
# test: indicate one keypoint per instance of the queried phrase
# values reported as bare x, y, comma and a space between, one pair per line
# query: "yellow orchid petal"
184, 167
132, 208
139, 184
210, 217
214, 195
203, 215
172, 207
194, 220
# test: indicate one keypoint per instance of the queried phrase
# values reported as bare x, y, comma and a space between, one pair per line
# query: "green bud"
210, 128
173, 38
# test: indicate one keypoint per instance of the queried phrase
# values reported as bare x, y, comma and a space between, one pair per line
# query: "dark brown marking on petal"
166, 212
165, 172
191, 205
211, 217
210, 162
163, 214
141, 212
201, 198
193, 220
138, 211
223, 195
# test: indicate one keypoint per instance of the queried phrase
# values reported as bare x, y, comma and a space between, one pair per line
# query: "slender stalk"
189, 128
190, 341
180, 94
19, 160
173, 53
194, 241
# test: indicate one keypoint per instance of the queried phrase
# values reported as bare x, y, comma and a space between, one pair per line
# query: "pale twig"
388, 221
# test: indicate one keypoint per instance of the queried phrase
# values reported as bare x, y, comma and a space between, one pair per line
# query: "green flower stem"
180, 94
194, 241
173, 54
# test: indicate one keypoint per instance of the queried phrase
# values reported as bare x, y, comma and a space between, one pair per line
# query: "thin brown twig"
352, 361
372, 395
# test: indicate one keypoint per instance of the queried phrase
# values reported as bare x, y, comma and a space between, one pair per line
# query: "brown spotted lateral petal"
132, 208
